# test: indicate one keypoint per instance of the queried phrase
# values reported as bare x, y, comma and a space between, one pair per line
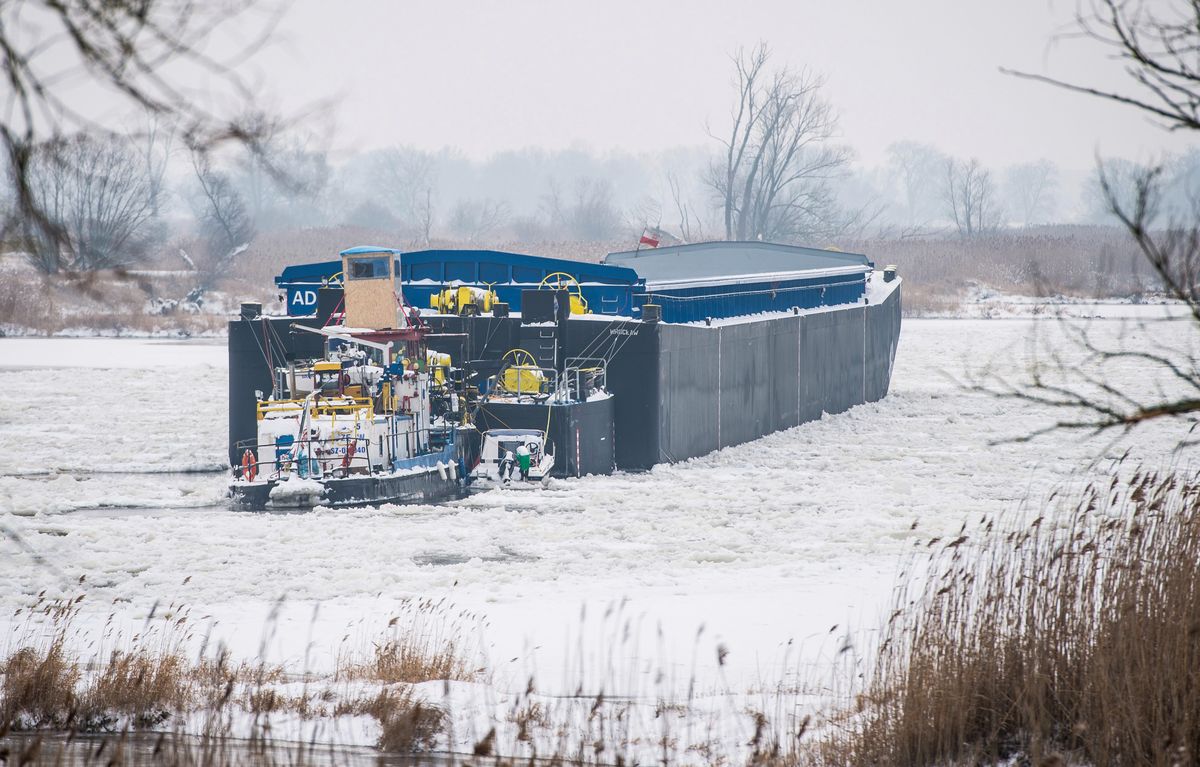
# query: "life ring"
249, 467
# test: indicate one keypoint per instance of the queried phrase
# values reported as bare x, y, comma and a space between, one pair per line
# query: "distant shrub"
1086, 261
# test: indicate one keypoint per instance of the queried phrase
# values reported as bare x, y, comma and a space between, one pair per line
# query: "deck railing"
330, 461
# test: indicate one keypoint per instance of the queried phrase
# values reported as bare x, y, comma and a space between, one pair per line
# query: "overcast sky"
639, 75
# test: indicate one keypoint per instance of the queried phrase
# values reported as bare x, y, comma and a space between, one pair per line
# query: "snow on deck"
876, 293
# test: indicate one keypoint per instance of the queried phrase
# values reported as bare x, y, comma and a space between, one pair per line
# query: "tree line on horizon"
122, 197
80, 197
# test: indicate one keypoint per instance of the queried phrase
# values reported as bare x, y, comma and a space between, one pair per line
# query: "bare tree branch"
772, 181
98, 193
225, 223
970, 197
142, 51
1160, 47
477, 219
1157, 44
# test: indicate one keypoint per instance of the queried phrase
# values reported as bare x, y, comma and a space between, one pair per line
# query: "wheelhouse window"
367, 268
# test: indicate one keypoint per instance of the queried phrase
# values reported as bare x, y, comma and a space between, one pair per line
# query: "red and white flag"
652, 236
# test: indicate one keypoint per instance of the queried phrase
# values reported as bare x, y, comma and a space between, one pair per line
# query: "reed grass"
39, 688
1074, 638
210, 710
428, 647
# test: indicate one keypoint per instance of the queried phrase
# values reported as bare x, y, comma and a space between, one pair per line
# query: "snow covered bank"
114, 303
982, 302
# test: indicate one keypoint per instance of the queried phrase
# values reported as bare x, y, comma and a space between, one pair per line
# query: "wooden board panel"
371, 304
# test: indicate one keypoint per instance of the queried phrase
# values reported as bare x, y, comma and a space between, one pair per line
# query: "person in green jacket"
523, 460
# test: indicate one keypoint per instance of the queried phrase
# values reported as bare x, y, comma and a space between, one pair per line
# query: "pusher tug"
370, 421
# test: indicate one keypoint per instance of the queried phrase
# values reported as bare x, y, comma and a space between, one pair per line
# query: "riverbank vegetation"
1067, 632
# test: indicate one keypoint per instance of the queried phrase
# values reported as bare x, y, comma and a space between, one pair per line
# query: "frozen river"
109, 451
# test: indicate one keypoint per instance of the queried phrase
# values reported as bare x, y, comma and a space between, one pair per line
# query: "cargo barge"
651, 356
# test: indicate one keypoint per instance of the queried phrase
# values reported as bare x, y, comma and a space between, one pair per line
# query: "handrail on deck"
319, 406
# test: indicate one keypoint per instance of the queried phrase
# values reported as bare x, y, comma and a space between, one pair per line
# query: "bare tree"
99, 198
477, 219
588, 214
645, 213
282, 178
1158, 46
772, 177
552, 208
1114, 180
155, 146
1173, 250
371, 215
1030, 189
138, 52
970, 197
1183, 180
691, 229
226, 226
409, 178
592, 214
423, 213
529, 228
917, 169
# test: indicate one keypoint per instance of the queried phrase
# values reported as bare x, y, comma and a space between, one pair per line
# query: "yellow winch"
567, 282
439, 365
519, 373
463, 299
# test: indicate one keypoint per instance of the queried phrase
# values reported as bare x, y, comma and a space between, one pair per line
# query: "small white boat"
513, 457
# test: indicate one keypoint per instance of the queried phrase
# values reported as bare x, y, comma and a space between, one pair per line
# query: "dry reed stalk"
424, 645
150, 684
1080, 638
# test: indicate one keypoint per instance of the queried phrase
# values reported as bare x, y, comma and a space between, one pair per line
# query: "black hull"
579, 434
683, 391
372, 490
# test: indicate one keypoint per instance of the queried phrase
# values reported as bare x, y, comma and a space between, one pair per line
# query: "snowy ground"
778, 551
982, 302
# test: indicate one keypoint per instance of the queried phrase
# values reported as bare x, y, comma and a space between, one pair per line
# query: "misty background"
568, 130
